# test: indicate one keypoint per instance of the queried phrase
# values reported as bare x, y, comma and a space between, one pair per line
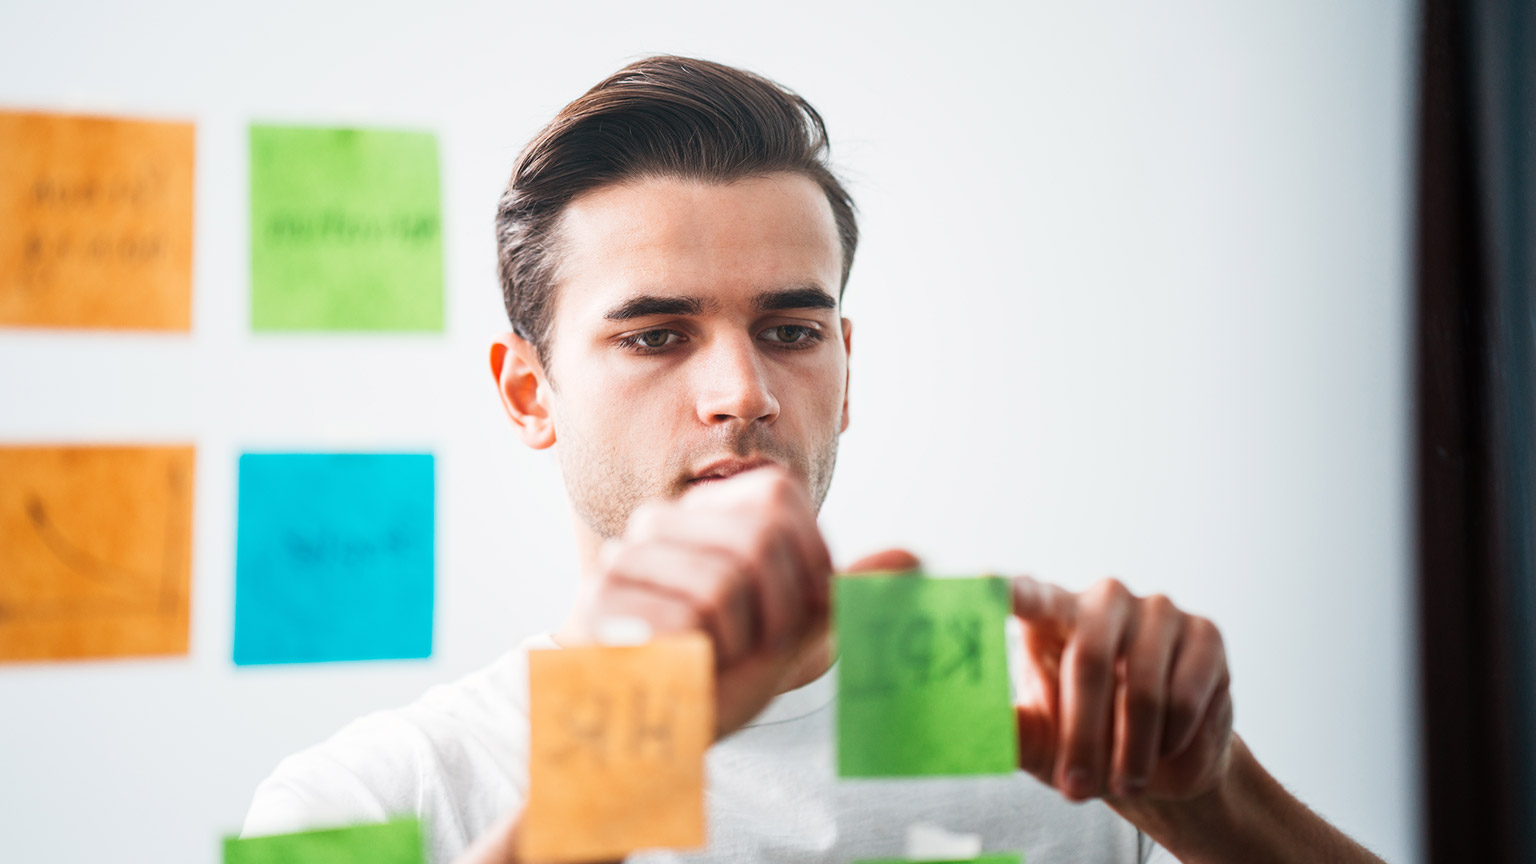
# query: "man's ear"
847, 367
524, 388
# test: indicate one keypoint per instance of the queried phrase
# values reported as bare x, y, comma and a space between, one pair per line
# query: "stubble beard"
605, 491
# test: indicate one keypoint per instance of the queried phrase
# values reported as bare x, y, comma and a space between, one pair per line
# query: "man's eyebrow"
645, 305
806, 297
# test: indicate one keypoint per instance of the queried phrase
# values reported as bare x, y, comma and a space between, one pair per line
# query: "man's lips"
727, 468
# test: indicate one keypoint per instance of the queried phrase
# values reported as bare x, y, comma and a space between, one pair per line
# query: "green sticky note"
346, 230
991, 858
397, 842
923, 677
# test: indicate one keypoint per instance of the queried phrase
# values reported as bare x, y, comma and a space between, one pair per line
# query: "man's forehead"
675, 237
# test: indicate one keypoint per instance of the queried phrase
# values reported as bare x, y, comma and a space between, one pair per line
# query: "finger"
1042, 604
1035, 715
763, 557
1142, 698
793, 505
666, 613
781, 590
744, 690
885, 561
1199, 669
706, 578
1088, 689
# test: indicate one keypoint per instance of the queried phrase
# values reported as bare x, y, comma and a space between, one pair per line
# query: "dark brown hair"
661, 116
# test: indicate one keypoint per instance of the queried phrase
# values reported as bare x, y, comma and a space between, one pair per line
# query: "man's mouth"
726, 468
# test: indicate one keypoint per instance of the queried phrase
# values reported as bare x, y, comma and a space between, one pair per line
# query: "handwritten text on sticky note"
95, 551
398, 842
923, 677
346, 230
617, 738
334, 557
95, 222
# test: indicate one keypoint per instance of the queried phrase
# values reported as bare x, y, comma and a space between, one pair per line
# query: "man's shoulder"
455, 757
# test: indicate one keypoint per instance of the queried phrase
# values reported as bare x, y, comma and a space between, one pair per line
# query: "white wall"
1132, 300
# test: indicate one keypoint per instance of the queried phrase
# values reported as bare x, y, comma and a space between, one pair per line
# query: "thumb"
888, 561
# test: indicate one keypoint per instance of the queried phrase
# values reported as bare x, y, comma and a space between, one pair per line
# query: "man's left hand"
1123, 696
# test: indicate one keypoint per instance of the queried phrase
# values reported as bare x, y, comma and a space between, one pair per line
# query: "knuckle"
1160, 605
1109, 589
645, 523
1205, 630
780, 485
618, 560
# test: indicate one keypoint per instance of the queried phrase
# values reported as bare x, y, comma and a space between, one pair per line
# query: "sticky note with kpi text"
923, 677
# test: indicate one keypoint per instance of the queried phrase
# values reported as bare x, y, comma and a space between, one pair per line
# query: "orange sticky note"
617, 740
97, 217
95, 551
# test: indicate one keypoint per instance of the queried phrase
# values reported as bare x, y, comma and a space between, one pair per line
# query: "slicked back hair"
663, 116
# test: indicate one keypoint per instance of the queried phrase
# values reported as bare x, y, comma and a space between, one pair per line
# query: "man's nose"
733, 383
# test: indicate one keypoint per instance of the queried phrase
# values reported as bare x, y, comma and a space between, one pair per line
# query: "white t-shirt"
457, 759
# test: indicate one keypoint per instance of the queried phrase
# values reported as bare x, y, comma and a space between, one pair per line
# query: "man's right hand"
740, 559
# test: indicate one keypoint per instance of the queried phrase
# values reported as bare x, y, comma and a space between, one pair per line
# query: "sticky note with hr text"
923, 677
397, 842
95, 551
617, 740
346, 230
95, 222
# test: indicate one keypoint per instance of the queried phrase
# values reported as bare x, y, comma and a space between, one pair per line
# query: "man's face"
696, 333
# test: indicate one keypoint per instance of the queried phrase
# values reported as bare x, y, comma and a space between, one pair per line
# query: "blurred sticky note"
334, 557
617, 739
95, 222
397, 842
95, 551
988, 858
346, 230
923, 677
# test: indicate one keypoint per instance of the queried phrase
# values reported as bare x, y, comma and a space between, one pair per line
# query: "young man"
673, 249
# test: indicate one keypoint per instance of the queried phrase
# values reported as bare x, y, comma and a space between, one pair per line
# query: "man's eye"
792, 334
651, 340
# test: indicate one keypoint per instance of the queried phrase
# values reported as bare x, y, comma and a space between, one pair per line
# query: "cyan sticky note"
346, 230
334, 557
923, 677
397, 842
